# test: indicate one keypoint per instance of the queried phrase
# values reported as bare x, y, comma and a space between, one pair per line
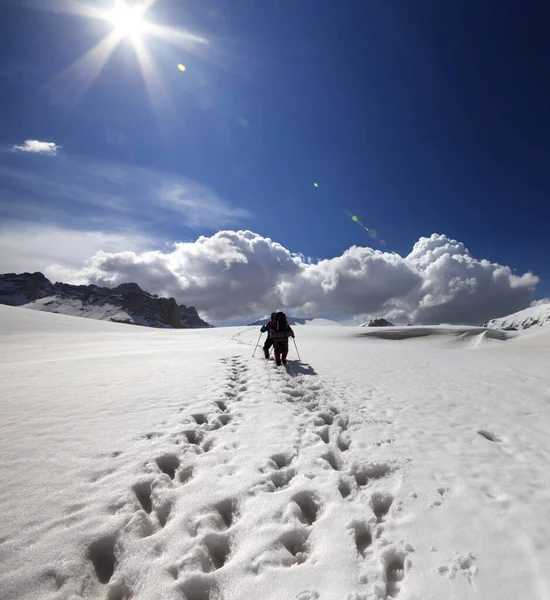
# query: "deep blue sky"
418, 117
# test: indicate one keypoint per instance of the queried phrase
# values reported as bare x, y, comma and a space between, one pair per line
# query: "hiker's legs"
278, 347
284, 351
267, 346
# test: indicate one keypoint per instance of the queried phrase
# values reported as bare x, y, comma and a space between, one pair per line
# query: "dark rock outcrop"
378, 323
18, 289
190, 317
135, 305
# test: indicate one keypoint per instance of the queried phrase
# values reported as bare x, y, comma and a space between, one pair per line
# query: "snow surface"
143, 463
523, 319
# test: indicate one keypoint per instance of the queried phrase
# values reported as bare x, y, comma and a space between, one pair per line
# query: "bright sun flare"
128, 21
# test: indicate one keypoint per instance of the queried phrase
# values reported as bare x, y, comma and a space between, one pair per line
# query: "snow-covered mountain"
523, 319
151, 464
126, 303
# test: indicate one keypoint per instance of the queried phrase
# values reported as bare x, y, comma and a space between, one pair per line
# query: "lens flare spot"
354, 218
372, 233
316, 185
182, 68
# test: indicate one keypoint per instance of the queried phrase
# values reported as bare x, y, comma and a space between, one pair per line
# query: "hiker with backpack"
278, 330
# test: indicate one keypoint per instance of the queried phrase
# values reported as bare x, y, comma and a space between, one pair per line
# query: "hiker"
268, 340
279, 331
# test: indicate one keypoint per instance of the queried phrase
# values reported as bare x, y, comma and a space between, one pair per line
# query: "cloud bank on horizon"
234, 274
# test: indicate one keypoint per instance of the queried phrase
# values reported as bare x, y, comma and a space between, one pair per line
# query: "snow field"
158, 464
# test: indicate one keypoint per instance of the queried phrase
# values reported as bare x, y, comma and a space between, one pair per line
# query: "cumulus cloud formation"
239, 273
459, 288
37, 147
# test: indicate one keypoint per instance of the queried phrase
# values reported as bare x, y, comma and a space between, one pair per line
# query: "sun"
127, 21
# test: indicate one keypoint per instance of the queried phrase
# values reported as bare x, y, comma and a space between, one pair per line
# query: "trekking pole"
257, 344
297, 350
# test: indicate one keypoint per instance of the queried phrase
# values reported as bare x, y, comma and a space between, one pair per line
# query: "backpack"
280, 330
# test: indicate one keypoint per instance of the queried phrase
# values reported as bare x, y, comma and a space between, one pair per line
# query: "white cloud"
36, 147
541, 301
239, 273
460, 288
56, 252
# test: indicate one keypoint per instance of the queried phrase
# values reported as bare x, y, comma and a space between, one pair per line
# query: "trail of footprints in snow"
215, 546
212, 530
332, 428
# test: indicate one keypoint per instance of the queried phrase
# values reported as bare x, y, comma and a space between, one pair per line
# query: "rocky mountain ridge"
126, 303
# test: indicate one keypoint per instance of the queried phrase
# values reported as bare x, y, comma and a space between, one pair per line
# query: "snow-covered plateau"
146, 464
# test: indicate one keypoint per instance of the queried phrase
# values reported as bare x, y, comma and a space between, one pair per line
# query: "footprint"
362, 537
333, 460
295, 542
343, 442
309, 506
307, 595
323, 433
381, 504
324, 418
168, 463
344, 488
219, 547
228, 511
281, 478
102, 555
342, 422
395, 573
366, 473
193, 437
281, 460
142, 490
489, 436
200, 418
221, 405
199, 587
224, 419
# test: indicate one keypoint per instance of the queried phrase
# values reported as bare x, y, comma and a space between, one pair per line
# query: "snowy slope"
523, 319
141, 463
76, 308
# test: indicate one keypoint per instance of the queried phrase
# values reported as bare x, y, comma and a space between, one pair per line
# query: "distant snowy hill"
523, 319
127, 303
